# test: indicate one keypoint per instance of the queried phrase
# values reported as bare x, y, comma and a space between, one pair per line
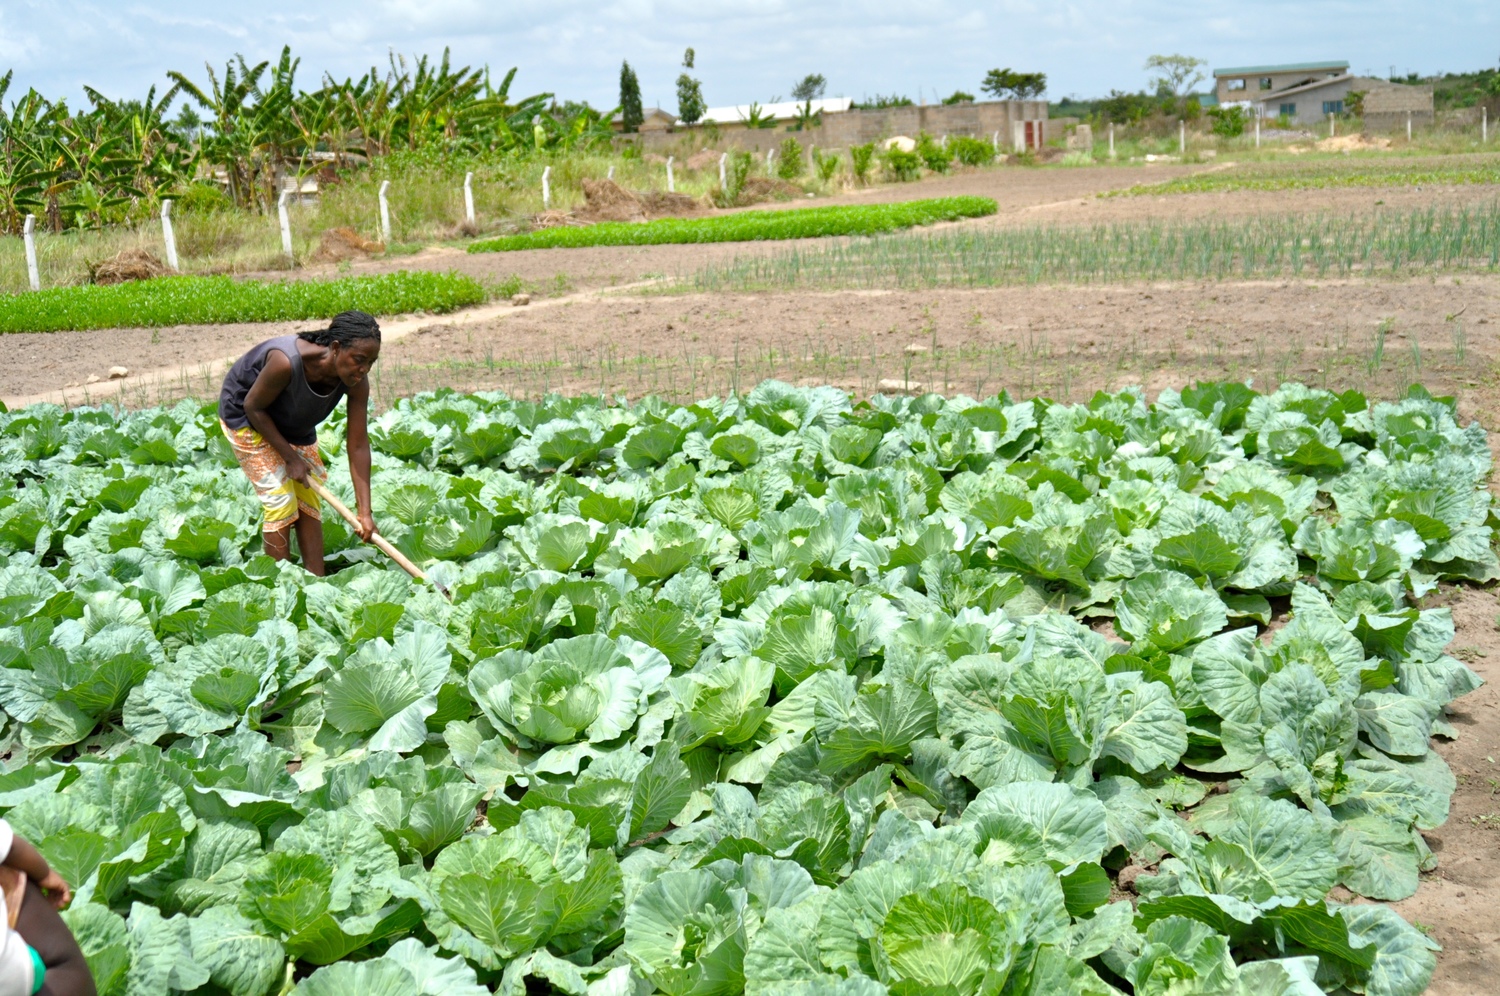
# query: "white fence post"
770, 154
723, 183
671, 179
1332, 125
1484, 125
995, 141
610, 176
30, 235
286, 223
1408, 126
1257, 131
385, 213
469, 197
167, 235
1182, 138
1111, 140
547, 188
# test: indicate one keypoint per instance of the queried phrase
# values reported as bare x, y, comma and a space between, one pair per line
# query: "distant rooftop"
1290, 67
776, 112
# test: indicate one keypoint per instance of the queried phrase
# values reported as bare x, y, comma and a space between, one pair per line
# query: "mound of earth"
703, 159
340, 244
660, 204
129, 264
606, 200
1355, 142
758, 189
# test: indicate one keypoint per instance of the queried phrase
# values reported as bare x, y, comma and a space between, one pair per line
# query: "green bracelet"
39, 971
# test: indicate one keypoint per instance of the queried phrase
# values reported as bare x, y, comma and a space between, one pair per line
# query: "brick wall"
839, 131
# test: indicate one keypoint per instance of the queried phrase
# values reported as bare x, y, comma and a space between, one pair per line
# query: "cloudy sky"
747, 49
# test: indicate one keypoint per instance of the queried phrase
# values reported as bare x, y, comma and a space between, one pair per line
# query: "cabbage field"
780, 694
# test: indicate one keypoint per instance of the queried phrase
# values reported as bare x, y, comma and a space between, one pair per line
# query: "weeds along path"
74, 354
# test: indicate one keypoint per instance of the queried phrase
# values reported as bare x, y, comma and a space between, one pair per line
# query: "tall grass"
215, 300
1318, 246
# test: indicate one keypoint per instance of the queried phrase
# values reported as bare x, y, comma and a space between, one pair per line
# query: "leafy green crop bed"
751, 226
776, 694
221, 300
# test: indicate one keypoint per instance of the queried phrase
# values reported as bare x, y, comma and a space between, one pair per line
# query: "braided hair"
346, 329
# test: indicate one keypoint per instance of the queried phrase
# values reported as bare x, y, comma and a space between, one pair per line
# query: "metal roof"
1290, 67
775, 112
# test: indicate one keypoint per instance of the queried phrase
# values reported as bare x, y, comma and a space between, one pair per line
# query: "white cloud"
747, 49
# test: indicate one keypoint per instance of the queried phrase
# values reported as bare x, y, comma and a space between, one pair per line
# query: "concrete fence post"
1257, 131
469, 197
610, 176
29, 233
1111, 140
995, 141
1484, 126
1408, 126
286, 223
168, 237
723, 181
547, 188
1182, 138
385, 214
671, 180
770, 154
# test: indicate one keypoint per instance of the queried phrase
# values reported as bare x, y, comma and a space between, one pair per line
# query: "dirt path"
1456, 903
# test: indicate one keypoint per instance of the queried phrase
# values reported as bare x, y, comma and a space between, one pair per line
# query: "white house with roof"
780, 113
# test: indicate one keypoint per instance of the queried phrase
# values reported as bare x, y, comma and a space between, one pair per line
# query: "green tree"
1175, 75
1007, 83
690, 106
959, 97
631, 114
812, 87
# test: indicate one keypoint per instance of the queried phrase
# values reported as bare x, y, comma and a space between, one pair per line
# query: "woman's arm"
273, 379
25, 857
357, 441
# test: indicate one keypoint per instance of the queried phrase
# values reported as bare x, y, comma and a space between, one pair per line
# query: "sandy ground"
1064, 342
1456, 903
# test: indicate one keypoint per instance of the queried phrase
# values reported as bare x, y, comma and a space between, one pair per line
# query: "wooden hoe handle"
375, 538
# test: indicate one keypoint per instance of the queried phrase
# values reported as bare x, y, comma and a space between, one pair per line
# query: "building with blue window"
1309, 93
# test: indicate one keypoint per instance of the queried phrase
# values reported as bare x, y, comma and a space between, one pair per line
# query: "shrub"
736, 173
971, 151
861, 157
959, 97
1228, 122
826, 165
934, 156
789, 163
901, 166
201, 198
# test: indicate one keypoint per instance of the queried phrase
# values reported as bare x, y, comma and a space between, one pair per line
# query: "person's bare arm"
26, 858
357, 440
273, 379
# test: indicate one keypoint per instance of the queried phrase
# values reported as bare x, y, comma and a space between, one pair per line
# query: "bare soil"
1456, 903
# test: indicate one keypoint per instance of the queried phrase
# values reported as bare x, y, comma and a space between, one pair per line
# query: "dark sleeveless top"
296, 412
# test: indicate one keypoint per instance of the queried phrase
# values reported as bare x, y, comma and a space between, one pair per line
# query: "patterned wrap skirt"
282, 499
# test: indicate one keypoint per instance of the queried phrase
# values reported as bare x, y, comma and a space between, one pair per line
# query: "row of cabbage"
775, 694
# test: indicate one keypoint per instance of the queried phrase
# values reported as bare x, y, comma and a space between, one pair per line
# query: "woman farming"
273, 399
